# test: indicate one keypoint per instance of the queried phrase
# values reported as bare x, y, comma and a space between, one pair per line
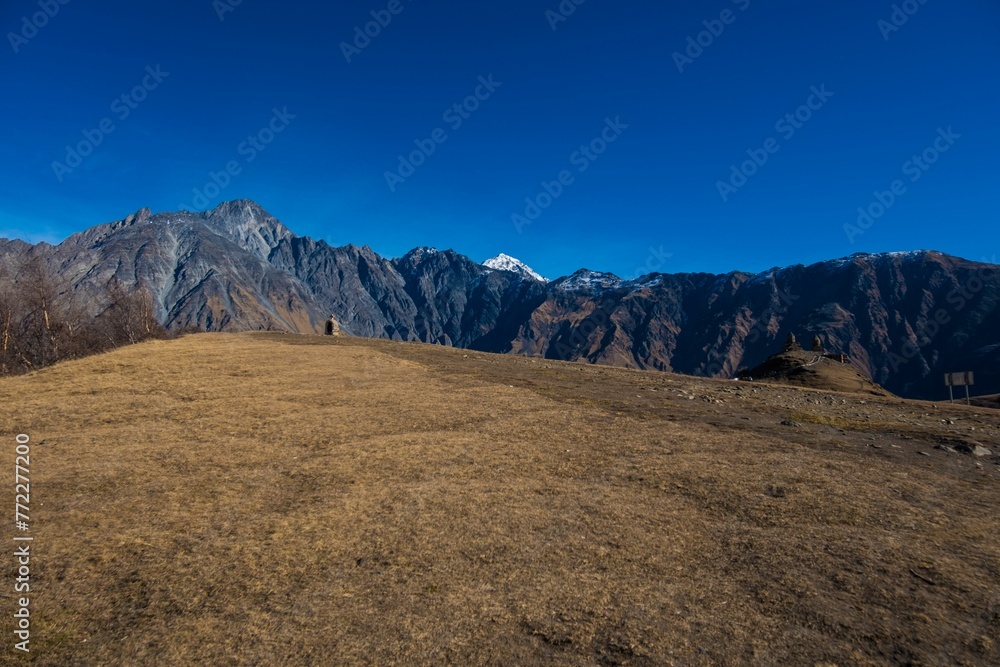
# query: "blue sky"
923, 81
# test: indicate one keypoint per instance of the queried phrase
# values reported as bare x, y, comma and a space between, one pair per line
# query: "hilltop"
298, 500
814, 370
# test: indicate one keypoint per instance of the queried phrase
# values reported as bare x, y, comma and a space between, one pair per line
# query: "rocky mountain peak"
586, 280
248, 224
503, 262
418, 255
140, 216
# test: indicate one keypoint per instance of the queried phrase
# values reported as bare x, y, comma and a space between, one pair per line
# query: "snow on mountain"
841, 262
504, 262
589, 281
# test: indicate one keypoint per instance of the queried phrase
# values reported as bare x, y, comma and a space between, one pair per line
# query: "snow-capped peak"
504, 262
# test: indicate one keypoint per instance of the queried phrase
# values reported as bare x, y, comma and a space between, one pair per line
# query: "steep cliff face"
363, 290
905, 318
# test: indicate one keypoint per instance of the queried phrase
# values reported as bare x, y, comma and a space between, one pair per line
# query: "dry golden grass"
301, 500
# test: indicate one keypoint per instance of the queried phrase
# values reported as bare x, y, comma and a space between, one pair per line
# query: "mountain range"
904, 319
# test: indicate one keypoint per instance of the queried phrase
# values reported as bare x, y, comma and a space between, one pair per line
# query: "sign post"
959, 380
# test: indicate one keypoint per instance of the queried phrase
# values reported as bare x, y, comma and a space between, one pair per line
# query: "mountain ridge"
903, 317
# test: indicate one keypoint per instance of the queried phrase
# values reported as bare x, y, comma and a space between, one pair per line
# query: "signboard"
958, 379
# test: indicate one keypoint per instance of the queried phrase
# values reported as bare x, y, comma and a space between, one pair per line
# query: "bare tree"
130, 316
40, 324
8, 298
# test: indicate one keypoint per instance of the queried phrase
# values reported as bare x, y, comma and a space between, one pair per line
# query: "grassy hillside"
297, 500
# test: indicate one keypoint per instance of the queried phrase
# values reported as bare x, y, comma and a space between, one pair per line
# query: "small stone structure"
332, 327
817, 344
791, 345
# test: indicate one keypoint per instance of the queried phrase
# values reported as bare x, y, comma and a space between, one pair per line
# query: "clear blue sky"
655, 185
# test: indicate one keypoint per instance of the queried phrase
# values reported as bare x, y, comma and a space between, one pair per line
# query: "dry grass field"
302, 500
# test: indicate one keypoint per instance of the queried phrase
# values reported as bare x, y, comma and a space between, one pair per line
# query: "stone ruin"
791, 345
